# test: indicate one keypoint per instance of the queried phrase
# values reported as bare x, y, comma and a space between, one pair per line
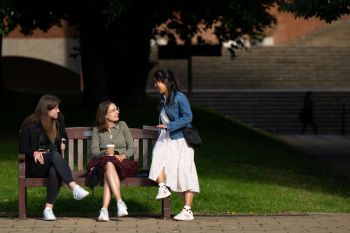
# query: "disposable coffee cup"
110, 149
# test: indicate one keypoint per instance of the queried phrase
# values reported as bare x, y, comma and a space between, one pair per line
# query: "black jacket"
30, 135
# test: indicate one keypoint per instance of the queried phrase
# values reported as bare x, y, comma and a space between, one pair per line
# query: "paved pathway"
333, 149
326, 223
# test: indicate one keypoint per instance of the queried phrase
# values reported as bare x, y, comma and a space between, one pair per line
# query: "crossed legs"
111, 184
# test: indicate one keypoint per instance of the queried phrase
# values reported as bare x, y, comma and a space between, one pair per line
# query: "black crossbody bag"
192, 136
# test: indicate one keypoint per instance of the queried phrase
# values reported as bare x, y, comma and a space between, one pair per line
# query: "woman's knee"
56, 156
53, 174
109, 166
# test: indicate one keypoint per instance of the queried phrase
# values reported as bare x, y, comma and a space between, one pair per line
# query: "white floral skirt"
177, 158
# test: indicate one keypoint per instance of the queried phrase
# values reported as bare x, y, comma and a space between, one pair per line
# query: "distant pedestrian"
307, 114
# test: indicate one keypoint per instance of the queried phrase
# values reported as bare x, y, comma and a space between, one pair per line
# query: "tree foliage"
327, 10
233, 18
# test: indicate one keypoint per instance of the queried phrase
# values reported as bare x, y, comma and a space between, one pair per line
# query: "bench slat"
71, 154
80, 154
145, 154
79, 132
88, 150
136, 154
143, 133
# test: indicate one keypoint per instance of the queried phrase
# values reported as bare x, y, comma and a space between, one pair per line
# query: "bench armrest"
21, 166
21, 158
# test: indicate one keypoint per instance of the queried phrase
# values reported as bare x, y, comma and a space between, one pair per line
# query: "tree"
5, 26
115, 34
327, 10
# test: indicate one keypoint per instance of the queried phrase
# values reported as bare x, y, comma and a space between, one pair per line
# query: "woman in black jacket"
42, 138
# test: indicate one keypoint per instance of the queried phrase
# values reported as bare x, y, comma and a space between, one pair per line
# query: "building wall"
289, 28
55, 46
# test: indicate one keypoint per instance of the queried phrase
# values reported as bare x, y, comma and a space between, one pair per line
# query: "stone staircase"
278, 111
284, 67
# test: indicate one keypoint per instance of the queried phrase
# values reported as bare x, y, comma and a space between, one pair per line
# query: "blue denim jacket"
179, 113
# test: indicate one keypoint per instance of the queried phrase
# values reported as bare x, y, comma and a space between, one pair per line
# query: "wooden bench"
78, 149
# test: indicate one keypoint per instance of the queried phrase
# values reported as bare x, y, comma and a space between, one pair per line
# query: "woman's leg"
188, 198
106, 193
161, 177
62, 167
112, 178
163, 191
186, 212
113, 186
63, 170
53, 187
46, 170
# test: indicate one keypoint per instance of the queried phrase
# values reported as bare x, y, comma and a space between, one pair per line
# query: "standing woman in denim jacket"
173, 164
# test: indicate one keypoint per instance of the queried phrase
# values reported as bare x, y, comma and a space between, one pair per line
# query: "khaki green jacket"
119, 135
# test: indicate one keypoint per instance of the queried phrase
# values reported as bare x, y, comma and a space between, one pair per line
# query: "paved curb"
320, 223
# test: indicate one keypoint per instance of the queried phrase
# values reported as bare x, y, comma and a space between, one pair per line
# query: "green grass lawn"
241, 171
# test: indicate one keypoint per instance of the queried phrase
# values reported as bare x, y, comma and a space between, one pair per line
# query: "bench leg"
22, 199
166, 208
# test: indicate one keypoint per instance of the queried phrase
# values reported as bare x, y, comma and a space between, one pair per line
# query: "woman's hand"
161, 126
39, 156
107, 154
120, 157
63, 144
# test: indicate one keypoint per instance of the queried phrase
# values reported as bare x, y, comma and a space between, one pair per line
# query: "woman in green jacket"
109, 130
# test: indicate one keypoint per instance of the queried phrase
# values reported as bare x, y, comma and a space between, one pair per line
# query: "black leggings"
56, 169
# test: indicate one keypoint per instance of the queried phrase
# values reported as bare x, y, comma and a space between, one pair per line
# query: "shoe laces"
189, 211
121, 204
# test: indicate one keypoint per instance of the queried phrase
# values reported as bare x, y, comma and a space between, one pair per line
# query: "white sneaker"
163, 192
79, 193
122, 209
48, 215
185, 214
103, 217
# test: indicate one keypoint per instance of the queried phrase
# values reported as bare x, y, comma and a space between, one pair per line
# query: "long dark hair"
167, 77
101, 113
40, 116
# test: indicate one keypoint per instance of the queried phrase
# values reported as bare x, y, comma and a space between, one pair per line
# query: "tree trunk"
2, 87
94, 89
92, 52
128, 59
115, 59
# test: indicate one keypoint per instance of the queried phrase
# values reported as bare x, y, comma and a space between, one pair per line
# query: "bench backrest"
79, 146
